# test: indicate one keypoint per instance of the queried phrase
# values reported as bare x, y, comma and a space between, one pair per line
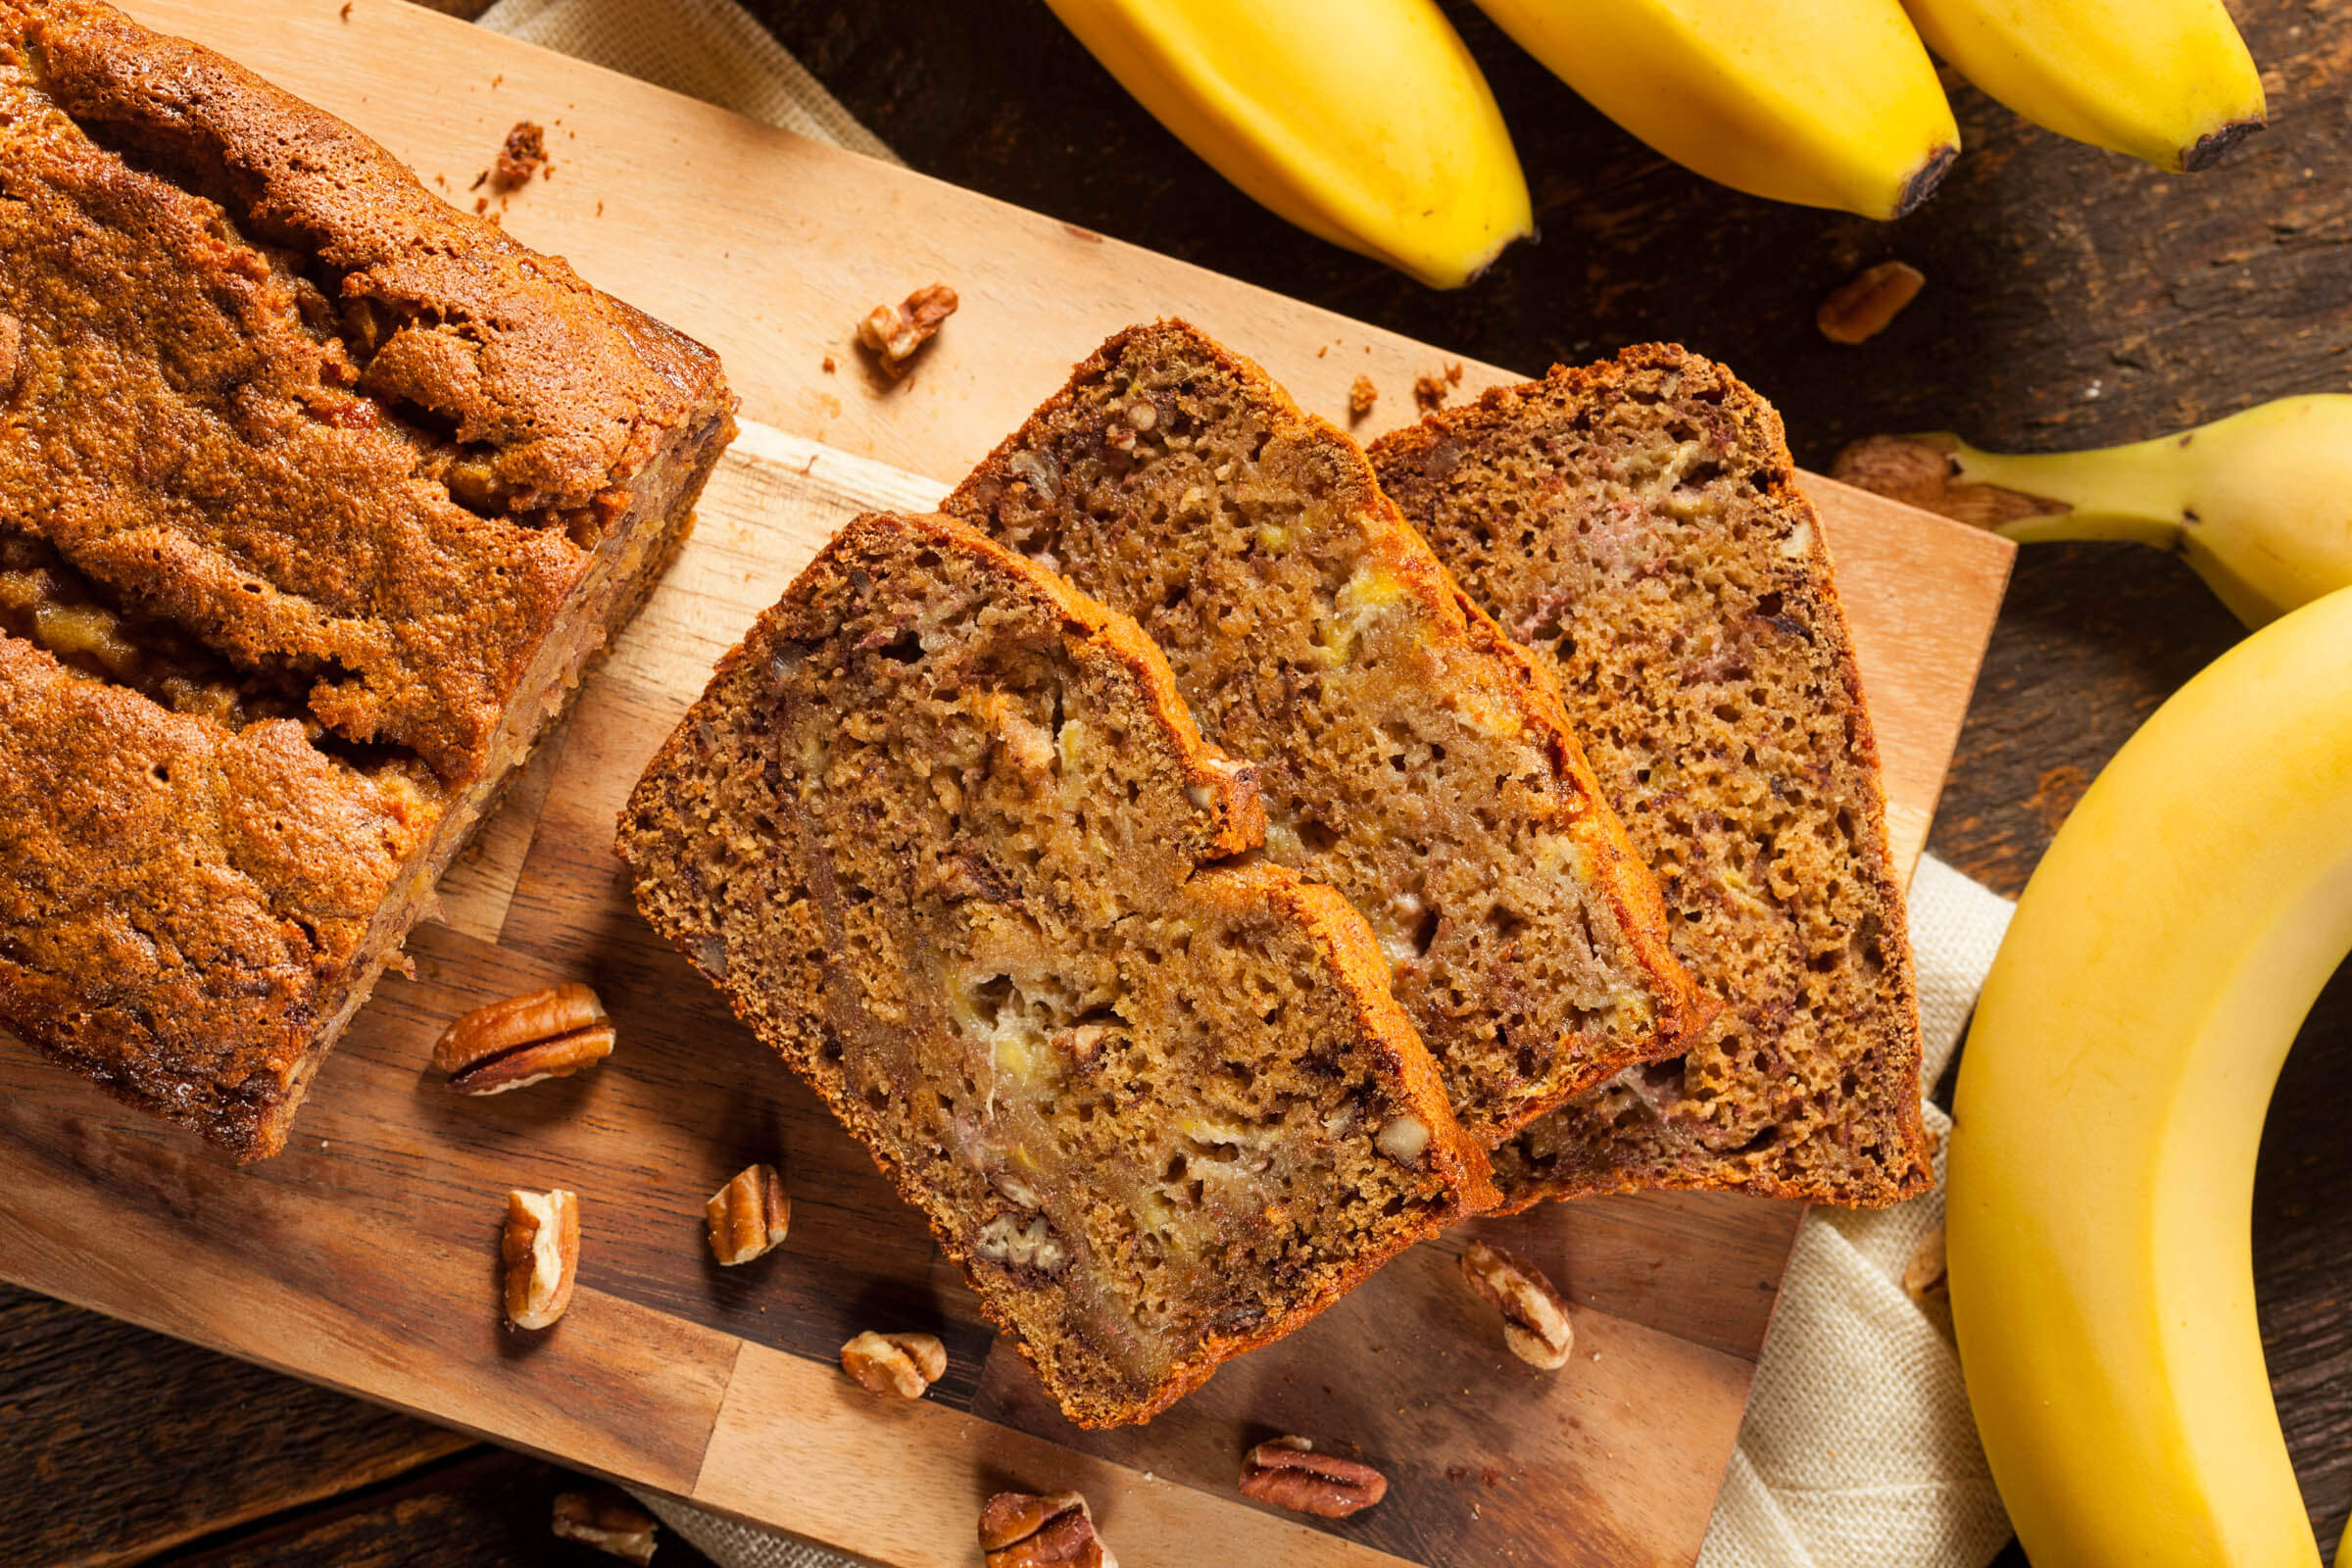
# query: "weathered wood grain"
121, 1444
485, 1510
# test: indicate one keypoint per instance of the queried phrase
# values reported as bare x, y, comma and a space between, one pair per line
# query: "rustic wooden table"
2072, 298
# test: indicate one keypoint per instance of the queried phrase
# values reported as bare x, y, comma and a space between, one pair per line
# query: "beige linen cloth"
1857, 1451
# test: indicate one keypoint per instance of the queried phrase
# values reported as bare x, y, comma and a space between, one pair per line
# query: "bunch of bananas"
1366, 121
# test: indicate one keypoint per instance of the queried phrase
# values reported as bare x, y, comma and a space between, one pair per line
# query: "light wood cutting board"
366, 1256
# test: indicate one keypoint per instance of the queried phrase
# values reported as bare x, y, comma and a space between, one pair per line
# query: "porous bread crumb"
942, 832
1411, 758
1637, 524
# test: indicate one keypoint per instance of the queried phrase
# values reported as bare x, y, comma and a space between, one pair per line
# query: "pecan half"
904, 1364
1534, 1320
523, 1040
606, 1520
1862, 307
1288, 1473
750, 1217
894, 333
1055, 1531
542, 1250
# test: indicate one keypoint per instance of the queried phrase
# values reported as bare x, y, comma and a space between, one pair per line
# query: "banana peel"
2260, 503
1365, 123
2110, 1108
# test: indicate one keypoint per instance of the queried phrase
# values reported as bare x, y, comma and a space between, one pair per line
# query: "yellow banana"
1363, 122
2259, 503
2167, 80
1827, 103
2109, 1109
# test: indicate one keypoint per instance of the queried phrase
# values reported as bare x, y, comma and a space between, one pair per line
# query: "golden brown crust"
311, 488
1487, 986
1604, 468
736, 842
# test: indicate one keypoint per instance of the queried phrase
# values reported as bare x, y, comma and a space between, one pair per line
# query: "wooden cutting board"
365, 1257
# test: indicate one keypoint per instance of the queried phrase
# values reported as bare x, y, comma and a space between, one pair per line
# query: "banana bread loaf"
942, 830
1638, 525
1408, 753
315, 498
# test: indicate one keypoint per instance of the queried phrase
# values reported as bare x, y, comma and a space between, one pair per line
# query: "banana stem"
2135, 492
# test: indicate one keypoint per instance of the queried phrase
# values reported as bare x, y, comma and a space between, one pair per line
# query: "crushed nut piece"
1361, 397
1925, 1283
519, 159
1058, 1531
1534, 1320
1288, 1473
894, 332
522, 1040
1860, 309
542, 1250
904, 1364
1402, 1138
749, 1217
608, 1520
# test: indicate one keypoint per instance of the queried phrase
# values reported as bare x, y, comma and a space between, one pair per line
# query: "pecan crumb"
904, 1364
1020, 1531
1361, 397
1925, 1283
541, 1248
1860, 309
750, 1217
894, 333
608, 1520
1534, 1320
524, 1039
519, 159
1288, 1473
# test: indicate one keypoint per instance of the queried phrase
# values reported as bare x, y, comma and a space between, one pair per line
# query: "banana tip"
1924, 180
2209, 149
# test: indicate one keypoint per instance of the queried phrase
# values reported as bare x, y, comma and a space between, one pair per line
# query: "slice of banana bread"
941, 830
315, 496
1637, 524
1409, 756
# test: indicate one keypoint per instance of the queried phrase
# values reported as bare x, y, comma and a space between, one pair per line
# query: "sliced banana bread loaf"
1638, 525
940, 831
1409, 756
316, 497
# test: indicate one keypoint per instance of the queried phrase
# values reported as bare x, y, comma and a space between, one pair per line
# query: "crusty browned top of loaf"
1411, 757
268, 387
942, 832
1638, 524
299, 471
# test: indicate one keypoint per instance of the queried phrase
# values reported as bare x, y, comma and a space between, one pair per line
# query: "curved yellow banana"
2259, 503
2167, 80
1826, 103
1363, 122
2110, 1107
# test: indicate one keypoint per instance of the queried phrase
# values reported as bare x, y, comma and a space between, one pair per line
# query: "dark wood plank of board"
121, 1442
487, 1509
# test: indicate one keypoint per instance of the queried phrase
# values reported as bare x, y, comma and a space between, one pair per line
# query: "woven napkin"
1857, 1451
